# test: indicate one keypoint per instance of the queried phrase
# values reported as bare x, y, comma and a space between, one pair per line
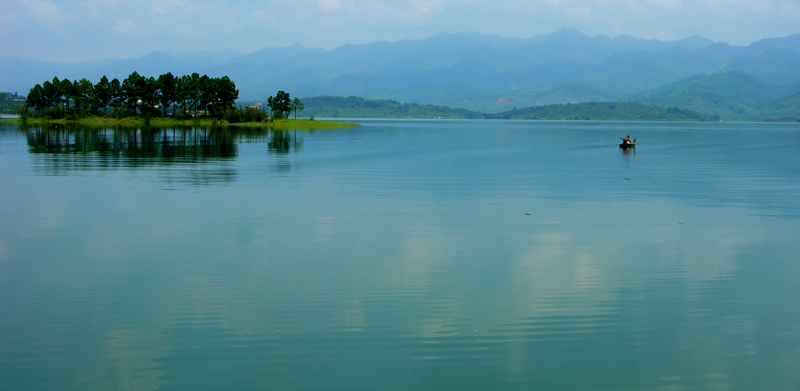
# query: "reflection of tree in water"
209, 151
282, 143
142, 145
66, 149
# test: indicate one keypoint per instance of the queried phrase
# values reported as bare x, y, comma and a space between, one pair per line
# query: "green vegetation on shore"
354, 107
135, 95
201, 99
141, 101
10, 103
732, 96
167, 122
604, 111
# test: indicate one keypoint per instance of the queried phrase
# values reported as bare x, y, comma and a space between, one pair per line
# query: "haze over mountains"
488, 73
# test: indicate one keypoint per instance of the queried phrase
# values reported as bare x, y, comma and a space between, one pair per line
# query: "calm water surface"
402, 255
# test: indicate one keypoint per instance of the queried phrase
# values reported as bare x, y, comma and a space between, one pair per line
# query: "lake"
402, 255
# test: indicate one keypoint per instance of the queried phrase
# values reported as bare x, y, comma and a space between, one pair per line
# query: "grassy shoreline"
278, 124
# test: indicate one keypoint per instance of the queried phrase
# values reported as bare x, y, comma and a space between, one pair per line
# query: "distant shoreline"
170, 122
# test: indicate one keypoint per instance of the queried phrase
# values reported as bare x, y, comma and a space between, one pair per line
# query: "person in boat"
627, 140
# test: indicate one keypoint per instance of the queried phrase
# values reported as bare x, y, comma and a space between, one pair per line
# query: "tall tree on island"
117, 95
83, 95
191, 85
67, 90
297, 105
102, 94
205, 92
281, 104
182, 92
167, 87
150, 96
132, 90
37, 99
52, 92
223, 95
227, 92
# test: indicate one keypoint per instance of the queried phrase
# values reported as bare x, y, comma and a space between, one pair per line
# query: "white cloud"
42, 10
125, 27
167, 6
671, 5
330, 5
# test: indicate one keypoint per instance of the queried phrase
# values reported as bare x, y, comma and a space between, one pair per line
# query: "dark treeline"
604, 111
135, 95
355, 107
9, 103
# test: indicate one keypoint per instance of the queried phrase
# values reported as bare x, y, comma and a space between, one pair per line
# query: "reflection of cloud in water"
569, 278
425, 252
43, 220
324, 228
240, 307
426, 255
205, 299
575, 278
555, 276
353, 316
4, 250
561, 258
128, 361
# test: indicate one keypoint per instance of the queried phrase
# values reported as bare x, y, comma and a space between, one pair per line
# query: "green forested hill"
355, 107
568, 92
785, 109
730, 95
605, 111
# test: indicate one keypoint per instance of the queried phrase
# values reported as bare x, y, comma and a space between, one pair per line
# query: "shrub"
23, 113
244, 115
55, 112
121, 113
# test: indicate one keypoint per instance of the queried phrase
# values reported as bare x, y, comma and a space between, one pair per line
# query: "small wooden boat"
629, 144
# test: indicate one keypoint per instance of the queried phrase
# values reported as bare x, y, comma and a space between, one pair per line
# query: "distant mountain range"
489, 74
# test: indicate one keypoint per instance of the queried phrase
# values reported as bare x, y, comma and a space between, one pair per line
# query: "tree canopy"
280, 104
140, 95
297, 105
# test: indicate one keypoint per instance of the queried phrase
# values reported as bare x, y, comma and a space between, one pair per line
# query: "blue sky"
76, 30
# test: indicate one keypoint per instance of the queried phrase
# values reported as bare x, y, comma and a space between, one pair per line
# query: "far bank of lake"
171, 122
